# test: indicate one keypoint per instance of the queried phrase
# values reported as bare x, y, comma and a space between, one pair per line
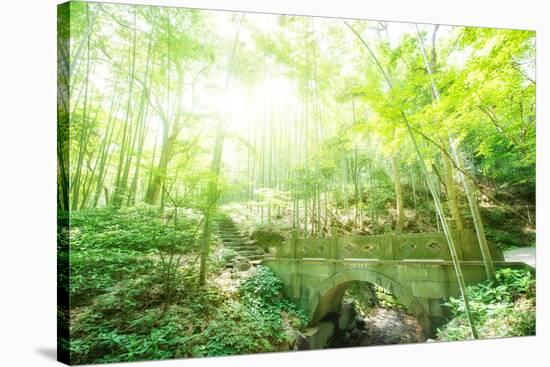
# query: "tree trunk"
212, 197
437, 201
212, 194
126, 153
398, 193
75, 182
470, 194
451, 192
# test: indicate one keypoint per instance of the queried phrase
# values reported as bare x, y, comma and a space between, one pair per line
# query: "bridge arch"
327, 296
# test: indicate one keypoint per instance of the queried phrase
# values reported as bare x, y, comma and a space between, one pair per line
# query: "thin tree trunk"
124, 164
75, 183
398, 193
215, 171
437, 201
451, 192
468, 187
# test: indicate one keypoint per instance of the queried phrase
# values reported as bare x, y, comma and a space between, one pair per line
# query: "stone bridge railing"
387, 246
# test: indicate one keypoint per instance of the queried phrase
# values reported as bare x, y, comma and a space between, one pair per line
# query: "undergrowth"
260, 320
501, 307
119, 310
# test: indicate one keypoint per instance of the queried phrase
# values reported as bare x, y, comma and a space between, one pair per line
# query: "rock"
316, 337
243, 266
302, 343
347, 314
360, 322
325, 330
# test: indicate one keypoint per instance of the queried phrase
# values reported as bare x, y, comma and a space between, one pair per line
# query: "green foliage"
119, 309
94, 271
261, 321
108, 245
364, 295
503, 239
227, 255
129, 323
63, 279
314, 126
493, 101
263, 286
131, 229
501, 307
267, 235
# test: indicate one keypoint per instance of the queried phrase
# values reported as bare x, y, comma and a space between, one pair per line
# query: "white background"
28, 182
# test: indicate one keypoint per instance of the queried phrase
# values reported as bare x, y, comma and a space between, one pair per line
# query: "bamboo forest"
236, 183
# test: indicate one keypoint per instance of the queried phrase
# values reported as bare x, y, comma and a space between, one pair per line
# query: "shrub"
128, 323
126, 228
94, 271
267, 235
501, 307
108, 245
227, 255
503, 239
261, 321
121, 311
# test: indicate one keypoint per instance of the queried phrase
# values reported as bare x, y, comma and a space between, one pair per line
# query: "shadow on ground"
49, 353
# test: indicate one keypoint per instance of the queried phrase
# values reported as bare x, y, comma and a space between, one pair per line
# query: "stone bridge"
416, 268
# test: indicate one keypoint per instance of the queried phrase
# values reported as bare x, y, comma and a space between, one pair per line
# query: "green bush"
501, 307
267, 235
94, 271
108, 245
503, 239
120, 310
260, 321
227, 255
129, 322
127, 228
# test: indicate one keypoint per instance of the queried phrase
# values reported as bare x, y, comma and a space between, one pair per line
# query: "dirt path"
524, 254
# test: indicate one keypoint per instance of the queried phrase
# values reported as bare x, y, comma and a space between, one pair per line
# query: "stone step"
243, 248
231, 230
254, 257
247, 253
236, 242
256, 262
227, 226
238, 245
234, 237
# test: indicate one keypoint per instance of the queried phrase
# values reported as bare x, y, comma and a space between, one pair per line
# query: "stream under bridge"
414, 267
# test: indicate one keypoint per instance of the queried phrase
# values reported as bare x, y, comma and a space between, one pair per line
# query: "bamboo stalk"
431, 186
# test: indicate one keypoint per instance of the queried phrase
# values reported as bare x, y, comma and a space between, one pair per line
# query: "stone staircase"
233, 239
